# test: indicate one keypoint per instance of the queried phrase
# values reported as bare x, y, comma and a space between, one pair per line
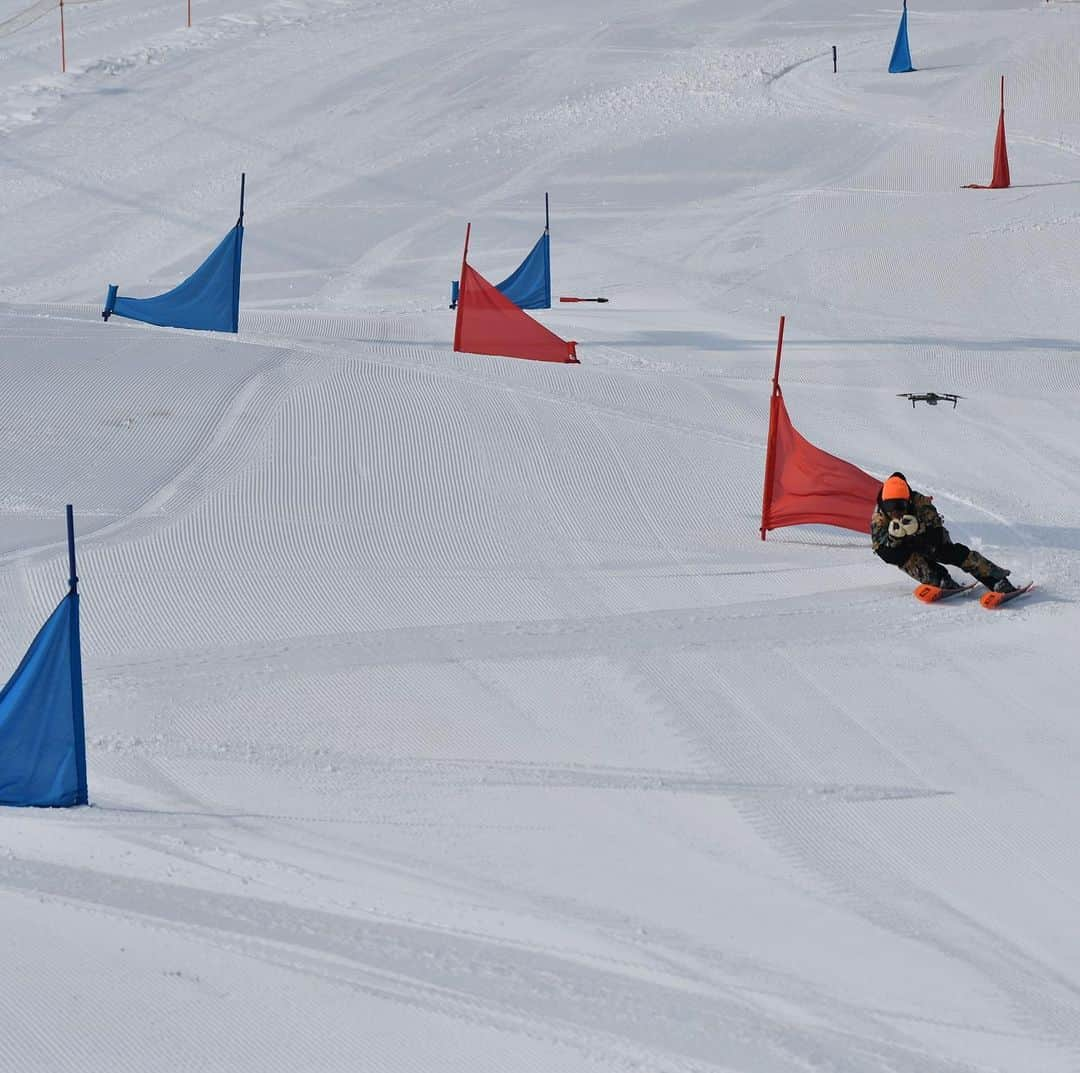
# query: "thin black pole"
243, 176
834, 59
78, 723
547, 214
73, 578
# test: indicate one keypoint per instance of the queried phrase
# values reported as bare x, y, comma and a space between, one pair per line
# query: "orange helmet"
896, 487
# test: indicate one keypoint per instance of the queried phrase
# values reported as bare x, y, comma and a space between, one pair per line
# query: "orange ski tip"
990, 600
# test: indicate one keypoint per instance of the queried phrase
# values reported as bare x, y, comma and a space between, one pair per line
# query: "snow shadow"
1064, 538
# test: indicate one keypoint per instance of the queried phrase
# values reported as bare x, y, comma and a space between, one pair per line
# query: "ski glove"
899, 528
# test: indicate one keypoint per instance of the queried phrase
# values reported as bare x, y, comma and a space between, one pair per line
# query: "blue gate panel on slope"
208, 300
42, 738
529, 286
900, 63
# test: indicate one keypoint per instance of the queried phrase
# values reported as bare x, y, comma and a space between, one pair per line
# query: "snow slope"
447, 712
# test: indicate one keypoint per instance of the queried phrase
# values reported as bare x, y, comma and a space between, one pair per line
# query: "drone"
931, 398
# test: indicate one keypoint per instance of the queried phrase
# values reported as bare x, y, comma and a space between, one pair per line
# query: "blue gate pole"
82, 796
73, 578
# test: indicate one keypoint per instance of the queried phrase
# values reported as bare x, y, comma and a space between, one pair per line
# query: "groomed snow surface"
447, 712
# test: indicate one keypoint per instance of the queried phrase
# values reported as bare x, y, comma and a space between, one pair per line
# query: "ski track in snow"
445, 711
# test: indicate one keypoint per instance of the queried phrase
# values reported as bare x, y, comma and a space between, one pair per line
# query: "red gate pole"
770, 449
461, 292
189, 14
63, 52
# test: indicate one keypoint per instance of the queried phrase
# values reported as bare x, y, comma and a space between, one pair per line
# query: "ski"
932, 594
990, 600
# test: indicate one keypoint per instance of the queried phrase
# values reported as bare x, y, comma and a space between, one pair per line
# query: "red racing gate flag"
805, 485
489, 323
1001, 179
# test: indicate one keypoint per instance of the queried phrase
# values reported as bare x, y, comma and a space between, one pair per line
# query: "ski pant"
926, 565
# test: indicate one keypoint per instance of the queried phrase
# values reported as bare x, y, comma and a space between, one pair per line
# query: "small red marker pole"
583, 299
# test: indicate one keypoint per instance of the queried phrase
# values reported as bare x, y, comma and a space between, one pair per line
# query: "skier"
907, 531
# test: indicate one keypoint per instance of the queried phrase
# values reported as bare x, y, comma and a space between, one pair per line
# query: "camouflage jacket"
930, 536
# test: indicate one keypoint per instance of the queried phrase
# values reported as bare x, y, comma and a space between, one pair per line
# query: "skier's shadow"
1013, 546
996, 535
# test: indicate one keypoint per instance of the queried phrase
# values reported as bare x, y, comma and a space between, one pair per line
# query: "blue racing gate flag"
208, 300
900, 62
529, 286
42, 735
